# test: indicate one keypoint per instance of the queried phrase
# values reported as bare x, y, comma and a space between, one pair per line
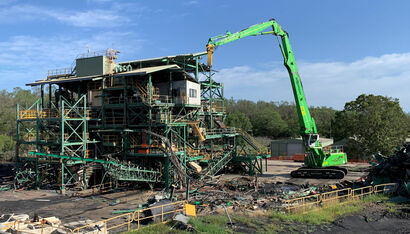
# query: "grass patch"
251, 222
152, 229
391, 207
211, 224
319, 216
268, 228
331, 212
375, 198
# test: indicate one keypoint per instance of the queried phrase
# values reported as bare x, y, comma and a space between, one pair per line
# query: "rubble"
393, 169
247, 193
11, 223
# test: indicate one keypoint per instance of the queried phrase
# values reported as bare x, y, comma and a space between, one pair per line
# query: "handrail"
135, 217
336, 195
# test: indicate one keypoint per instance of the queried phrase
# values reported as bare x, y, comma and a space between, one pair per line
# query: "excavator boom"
317, 159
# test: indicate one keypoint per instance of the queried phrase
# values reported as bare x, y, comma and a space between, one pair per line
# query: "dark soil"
374, 218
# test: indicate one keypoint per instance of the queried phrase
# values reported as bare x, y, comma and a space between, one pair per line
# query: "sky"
343, 48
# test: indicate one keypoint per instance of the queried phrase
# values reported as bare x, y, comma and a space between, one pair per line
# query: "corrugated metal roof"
165, 57
62, 80
146, 70
136, 72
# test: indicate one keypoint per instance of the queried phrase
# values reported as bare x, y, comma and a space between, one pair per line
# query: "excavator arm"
317, 157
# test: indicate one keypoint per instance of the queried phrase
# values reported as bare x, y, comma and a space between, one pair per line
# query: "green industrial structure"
158, 121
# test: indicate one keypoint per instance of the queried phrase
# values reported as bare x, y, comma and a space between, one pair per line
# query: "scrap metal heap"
159, 121
393, 169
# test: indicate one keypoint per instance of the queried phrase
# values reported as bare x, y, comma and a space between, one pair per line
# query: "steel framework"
131, 123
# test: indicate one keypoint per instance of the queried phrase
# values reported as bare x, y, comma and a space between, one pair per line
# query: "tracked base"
320, 173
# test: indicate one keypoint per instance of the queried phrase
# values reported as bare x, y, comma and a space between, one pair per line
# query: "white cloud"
24, 59
191, 2
107, 17
325, 84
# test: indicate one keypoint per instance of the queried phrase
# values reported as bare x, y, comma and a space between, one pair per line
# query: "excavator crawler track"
320, 173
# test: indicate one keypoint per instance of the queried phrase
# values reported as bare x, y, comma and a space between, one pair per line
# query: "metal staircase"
128, 172
251, 141
216, 165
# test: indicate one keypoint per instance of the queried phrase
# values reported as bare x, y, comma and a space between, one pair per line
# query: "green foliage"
268, 123
8, 102
6, 147
287, 122
239, 120
377, 123
152, 229
323, 117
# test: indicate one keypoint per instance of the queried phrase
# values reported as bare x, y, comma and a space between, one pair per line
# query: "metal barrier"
360, 192
385, 188
336, 195
302, 202
343, 195
118, 221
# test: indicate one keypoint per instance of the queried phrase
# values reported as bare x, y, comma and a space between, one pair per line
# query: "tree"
6, 147
323, 118
377, 123
239, 120
288, 113
268, 123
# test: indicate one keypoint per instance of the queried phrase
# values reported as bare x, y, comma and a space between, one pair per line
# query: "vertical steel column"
166, 176
170, 87
196, 68
211, 99
150, 109
62, 188
17, 137
49, 95
42, 96
85, 140
37, 140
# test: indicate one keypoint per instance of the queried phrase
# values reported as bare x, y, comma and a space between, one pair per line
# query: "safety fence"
125, 222
134, 220
306, 203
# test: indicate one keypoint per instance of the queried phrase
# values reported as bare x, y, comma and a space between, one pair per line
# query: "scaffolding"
157, 121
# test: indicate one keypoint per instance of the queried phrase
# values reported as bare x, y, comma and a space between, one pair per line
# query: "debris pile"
11, 223
21, 223
246, 193
393, 169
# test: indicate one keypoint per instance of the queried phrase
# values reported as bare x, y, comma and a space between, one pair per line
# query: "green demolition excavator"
318, 162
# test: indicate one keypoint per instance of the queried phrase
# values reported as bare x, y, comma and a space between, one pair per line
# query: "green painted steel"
118, 170
71, 141
318, 157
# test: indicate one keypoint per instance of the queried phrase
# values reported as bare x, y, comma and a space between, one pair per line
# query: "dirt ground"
279, 171
47, 203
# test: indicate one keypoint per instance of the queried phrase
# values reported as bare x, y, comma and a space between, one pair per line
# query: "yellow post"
129, 222
190, 210
162, 213
138, 221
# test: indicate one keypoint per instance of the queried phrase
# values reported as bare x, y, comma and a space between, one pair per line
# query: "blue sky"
343, 48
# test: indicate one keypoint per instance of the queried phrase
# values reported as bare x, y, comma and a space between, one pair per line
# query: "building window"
192, 93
